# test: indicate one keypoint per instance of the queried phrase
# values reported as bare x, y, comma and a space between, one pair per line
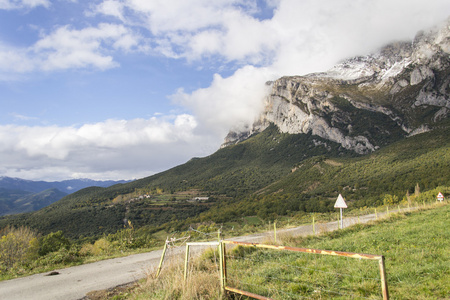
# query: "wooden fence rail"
223, 264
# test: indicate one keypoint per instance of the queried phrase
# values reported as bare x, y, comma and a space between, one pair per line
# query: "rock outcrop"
366, 102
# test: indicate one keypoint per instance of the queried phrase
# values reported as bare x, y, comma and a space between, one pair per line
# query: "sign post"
440, 197
340, 203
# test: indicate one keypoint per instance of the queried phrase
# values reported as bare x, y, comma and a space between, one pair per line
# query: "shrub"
53, 242
86, 250
17, 246
61, 256
102, 246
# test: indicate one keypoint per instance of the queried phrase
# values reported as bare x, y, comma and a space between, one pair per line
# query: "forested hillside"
374, 128
270, 174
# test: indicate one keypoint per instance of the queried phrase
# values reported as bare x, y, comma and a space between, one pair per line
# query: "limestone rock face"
365, 102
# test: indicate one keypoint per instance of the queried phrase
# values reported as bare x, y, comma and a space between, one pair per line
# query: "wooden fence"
223, 264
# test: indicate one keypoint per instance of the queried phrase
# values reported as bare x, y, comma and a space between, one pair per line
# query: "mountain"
7, 198
269, 174
20, 196
17, 201
66, 186
366, 102
371, 126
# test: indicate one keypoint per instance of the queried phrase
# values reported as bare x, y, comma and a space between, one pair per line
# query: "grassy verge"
62, 259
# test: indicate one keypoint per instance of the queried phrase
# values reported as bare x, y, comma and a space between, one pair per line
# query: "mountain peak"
365, 102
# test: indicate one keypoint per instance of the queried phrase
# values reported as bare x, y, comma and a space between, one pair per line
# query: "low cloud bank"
114, 149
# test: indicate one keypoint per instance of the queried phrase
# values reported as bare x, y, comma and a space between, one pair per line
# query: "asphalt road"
76, 282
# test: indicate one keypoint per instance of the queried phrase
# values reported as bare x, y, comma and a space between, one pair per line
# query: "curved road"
76, 282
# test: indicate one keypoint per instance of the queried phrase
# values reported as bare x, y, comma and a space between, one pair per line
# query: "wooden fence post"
223, 266
219, 237
384, 287
186, 262
314, 228
275, 231
162, 258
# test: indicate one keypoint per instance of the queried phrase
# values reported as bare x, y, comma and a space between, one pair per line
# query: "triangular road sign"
440, 197
340, 202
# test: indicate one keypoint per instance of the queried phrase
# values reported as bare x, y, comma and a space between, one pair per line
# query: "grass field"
416, 249
415, 246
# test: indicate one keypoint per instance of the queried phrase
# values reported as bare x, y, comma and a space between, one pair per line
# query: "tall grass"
202, 282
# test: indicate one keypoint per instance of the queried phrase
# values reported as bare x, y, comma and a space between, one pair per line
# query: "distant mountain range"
20, 195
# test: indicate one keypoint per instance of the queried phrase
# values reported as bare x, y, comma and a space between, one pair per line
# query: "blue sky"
121, 89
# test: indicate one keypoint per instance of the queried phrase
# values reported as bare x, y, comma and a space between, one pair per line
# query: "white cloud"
306, 33
14, 60
196, 28
110, 8
111, 149
314, 35
68, 48
302, 37
231, 102
23, 4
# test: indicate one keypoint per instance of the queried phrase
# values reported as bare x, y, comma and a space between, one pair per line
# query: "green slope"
254, 177
415, 247
364, 181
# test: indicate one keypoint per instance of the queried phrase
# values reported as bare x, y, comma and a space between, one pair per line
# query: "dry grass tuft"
202, 282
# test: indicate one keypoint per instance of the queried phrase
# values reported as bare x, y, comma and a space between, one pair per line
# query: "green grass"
415, 245
63, 259
252, 220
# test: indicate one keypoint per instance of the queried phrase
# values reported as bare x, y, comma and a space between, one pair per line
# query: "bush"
86, 250
53, 242
102, 246
130, 238
61, 256
17, 246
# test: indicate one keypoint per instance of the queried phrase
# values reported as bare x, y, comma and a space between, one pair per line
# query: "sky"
124, 89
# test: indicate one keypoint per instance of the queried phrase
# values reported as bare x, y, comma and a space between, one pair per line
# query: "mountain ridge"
21, 195
401, 82
67, 186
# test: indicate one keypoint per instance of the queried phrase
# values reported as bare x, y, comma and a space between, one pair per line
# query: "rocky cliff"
366, 102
